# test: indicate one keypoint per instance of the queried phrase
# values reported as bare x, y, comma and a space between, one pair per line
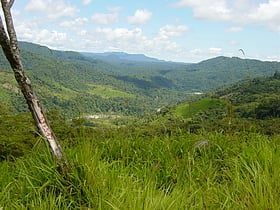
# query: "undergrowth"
240, 171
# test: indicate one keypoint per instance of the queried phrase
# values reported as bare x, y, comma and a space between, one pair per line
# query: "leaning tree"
9, 44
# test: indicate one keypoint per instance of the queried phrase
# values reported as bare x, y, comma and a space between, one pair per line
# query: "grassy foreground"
240, 171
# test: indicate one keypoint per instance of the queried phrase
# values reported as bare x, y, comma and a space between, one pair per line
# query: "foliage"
17, 134
190, 109
130, 171
76, 84
217, 151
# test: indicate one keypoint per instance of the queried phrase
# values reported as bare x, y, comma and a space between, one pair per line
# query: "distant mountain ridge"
116, 56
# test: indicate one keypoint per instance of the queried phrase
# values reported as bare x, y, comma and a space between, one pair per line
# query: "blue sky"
173, 30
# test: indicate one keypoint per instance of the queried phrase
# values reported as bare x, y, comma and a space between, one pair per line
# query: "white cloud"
170, 30
268, 11
208, 9
140, 17
44, 36
215, 50
266, 14
257, 12
234, 29
272, 58
77, 22
120, 34
105, 18
86, 2
53, 9
196, 51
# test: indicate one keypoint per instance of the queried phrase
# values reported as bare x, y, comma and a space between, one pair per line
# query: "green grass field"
188, 110
107, 91
126, 171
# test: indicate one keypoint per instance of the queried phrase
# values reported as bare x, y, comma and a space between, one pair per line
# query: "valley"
142, 134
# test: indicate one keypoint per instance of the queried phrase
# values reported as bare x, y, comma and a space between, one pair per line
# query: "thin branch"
6, 6
5, 44
10, 4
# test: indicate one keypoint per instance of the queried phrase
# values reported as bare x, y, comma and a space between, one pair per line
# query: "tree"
9, 44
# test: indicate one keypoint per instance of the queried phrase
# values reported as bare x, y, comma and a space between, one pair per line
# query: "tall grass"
240, 171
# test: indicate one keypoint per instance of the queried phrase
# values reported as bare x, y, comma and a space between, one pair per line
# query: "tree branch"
6, 6
10, 4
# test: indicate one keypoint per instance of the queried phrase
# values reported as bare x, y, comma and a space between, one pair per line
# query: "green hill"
77, 84
248, 105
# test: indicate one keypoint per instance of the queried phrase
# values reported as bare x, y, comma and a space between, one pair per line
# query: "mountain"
220, 71
77, 84
117, 56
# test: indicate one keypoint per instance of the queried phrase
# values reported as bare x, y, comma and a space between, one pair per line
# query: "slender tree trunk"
9, 44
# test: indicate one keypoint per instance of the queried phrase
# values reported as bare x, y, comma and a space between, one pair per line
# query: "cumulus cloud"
120, 34
268, 11
43, 36
208, 9
53, 9
102, 18
265, 13
170, 30
140, 17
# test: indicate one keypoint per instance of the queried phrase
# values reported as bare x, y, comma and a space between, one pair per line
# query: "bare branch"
9, 23
11, 2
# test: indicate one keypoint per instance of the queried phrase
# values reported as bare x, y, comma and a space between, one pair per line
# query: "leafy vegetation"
218, 150
64, 81
127, 168
251, 106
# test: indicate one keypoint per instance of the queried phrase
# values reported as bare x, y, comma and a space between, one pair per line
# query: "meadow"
127, 169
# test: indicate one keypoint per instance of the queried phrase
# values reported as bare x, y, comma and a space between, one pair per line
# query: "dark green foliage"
17, 135
276, 75
268, 108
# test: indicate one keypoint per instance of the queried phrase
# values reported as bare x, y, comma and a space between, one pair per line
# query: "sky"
171, 30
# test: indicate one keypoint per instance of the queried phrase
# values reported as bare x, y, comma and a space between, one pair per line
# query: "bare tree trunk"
9, 44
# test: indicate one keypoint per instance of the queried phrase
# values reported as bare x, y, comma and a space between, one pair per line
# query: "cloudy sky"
176, 30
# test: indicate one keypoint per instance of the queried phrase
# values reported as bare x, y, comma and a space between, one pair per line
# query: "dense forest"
138, 135
77, 84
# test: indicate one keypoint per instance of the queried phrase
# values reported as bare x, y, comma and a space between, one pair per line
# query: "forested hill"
79, 84
250, 105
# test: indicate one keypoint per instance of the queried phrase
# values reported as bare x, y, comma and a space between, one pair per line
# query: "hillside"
209, 153
78, 85
250, 105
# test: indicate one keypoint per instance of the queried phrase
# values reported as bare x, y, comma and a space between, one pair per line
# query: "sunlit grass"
107, 91
187, 110
127, 172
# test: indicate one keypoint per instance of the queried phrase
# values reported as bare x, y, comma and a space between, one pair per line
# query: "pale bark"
9, 44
